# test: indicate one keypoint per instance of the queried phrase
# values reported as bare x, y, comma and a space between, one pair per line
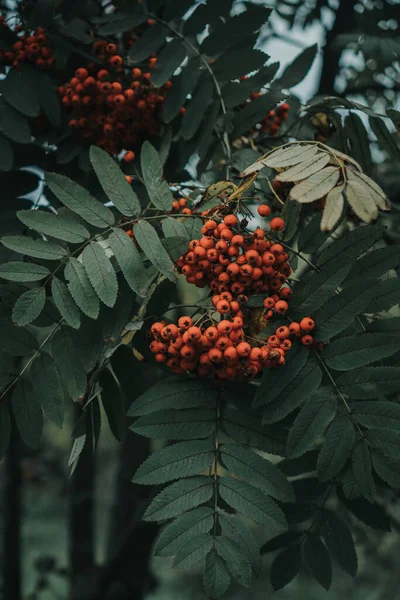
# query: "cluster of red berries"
272, 122
33, 49
112, 106
235, 265
181, 206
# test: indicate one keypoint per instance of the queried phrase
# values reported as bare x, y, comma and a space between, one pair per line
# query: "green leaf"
176, 461
279, 541
180, 497
80, 201
54, 226
47, 387
386, 296
65, 303
175, 246
298, 68
299, 389
114, 404
21, 271
48, 97
200, 100
351, 245
247, 430
216, 577
390, 324
195, 522
19, 91
312, 238
182, 85
291, 215
193, 550
81, 289
29, 306
362, 469
385, 139
359, 141
388, 470
176, 425
233, 527
6, 154
235, 559
312, 421
67, 356
27, 413
370, 382
252, 503
173, 228
129, 261
235, 63
257, 471
374, 264
151, 245
148, 43
372, 515
337, 314
113, 182
336, 449
254, 111
156, 187
285, 567
318, 289
168, 60
13, 124
5, 430
339, 541
36, 248
317, 558
100, 273
388, 442
16, 341
352, 352
273, 384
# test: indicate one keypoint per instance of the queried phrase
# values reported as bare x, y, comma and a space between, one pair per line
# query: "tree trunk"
343, 23
12, 580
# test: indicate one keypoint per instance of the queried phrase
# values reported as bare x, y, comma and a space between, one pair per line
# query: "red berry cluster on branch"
272, 122
28, 48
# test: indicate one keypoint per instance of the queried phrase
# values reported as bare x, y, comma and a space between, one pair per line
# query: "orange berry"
281, 307
295, 328
223, 307
307, 324
277, 224
215, 355
230, 353
243, 349
282, 332
185, 322
230, 220
307, 340
129, 156
224, 327
264, 210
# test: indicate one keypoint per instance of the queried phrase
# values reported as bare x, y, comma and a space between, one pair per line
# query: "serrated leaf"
180, 497
370, 382
316, 186
253, 112
67, 356
273, 384
176, 394
317, 559
359, 141
362, 469
114, 404
388, 442
311, 421
100, 273
333, 209
299, 389
248, 430
195, 522
299, 466
339, 541
81, 289
65, 303
29, 306
216, 577
341, 310
312, 238
372, 515
390, 324
279, 541
285, 567
385, 139
235, 559
380, 414
252, 503
129, 261
47, 387
168, 60
193, 550
298, 68
200, 100
151, 245
5, 430
27, 413
79, 200
156, 187
387, 469
176, 461
16, 341
148, 43
387, 295
289, 156
173, 228
175, 246
336, 449
176, 424
374, 264
113, 182
291, 215
21, 271
257, 471
305, 169
54, 226
380, 198
36, 248
352, 352
121, 22
19, 91
13, 124
351, 245
318, 289
233, 527
235, 63
360, 200
182, 85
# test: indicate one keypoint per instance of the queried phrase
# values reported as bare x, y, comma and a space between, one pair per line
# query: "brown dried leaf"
342, 156
361, 200
305, 168
377, 192
333, 208
316, 186
291, 156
